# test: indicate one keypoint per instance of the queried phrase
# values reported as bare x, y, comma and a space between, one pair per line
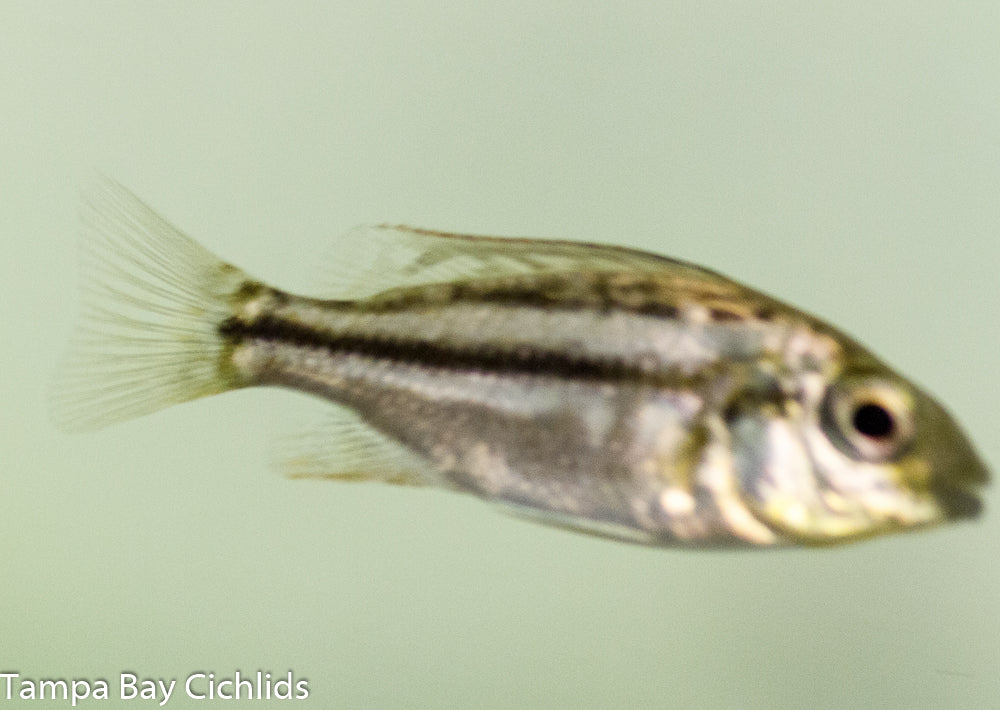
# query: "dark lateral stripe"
521, 360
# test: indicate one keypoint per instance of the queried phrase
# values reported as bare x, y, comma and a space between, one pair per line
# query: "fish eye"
873, 420
870, 417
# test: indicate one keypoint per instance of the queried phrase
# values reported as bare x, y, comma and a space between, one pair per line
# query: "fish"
596, 388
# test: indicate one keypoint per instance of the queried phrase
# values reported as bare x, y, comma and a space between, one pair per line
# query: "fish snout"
959, 492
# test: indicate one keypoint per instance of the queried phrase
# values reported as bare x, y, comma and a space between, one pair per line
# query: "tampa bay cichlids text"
197, 686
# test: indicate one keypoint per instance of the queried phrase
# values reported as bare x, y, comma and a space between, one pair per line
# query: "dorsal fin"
368, 260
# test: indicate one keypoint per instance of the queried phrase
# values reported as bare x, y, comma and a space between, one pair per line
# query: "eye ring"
870, 417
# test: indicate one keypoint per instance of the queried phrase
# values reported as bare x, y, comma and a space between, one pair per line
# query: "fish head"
861, 453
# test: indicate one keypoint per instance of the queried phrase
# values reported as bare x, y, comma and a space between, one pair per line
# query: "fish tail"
148, 334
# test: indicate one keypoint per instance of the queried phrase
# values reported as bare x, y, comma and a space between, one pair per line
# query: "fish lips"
958, 502
959, 497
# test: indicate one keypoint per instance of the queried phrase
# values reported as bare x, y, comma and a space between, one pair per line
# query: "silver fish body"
594, 387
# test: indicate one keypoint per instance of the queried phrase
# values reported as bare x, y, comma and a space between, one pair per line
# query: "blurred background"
844, 156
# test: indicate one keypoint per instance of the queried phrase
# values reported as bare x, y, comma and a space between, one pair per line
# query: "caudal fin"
152, 301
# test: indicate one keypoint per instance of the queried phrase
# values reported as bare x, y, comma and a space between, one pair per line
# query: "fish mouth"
959, 493
958, 502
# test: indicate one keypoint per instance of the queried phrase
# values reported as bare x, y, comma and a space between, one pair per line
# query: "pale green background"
843, 156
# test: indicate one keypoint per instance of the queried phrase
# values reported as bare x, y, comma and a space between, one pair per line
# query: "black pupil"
873, 421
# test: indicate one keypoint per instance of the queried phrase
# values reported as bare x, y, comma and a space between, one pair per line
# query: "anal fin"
341, 447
